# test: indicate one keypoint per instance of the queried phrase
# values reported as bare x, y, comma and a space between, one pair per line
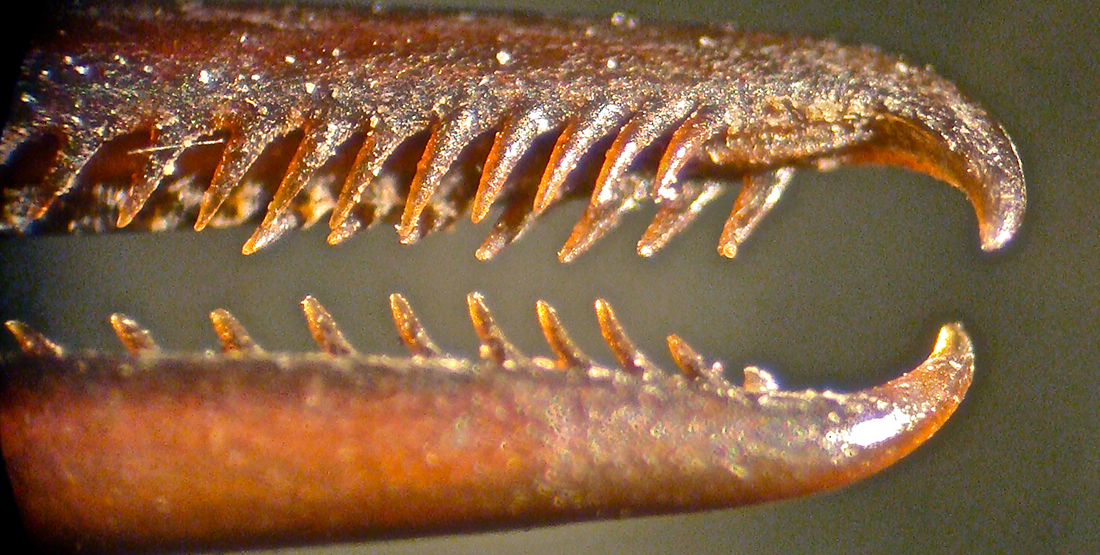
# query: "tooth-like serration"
382, 199
245, 144
449, 138
382, 140
952, 345
378, 433
32, 342
512, 142
674, 217
324, 329
166, 147
693, 365
758, 195
495, 346
233, 336
630, 358
790, 101
514, 220
589, 125
615, 193
569, 355
686, 143
75, 153
322, 138
135, 338
597, 220
414, 336
758, 380
649, 124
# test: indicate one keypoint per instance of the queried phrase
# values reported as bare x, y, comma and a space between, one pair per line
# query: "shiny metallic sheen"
155, 117
156, 450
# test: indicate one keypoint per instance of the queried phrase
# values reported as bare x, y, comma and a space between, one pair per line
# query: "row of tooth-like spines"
494, 346
636, 122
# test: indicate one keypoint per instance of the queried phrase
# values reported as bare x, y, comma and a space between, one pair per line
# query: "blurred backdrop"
843, 286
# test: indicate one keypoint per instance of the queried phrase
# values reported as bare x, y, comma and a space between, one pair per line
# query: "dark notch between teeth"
757, 122
494, 346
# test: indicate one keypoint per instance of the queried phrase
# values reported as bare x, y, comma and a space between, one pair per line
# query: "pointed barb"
499, 237
433, 164
593, 225
596, 121
348, 226
319, 143
630, 358
758, 380
379, 145
135, 200
242, 149
31, 342
448, 139
687, 142
758, 196
62, 177
569, 355
324, 329
640, 132
233, 336
269, 231
598, 220
952, 342
167, 146
365, 167
515, 220
692, 363
675, 216
494, 345
412, 333
136, 339
141, 188
514, 140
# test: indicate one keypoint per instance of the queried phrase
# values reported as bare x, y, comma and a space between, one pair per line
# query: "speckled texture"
164, 452
350, 95
853, 268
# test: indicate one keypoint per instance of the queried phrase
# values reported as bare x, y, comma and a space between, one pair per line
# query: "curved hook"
339, 445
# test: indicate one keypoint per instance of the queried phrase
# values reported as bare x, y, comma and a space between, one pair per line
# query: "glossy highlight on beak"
104, 450
506, 113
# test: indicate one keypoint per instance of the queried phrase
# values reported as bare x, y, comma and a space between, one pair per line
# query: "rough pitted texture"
156, 116
207, 115
169, 451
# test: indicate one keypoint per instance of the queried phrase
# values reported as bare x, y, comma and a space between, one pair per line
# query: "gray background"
842, 287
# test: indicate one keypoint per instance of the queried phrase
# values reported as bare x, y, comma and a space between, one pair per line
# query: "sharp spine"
591, 124
137, 340
758, 380
674, 217
514, 140
569, 355
449, 138
758, 195
233, 336
686, 143
631, 360
31, 342
495, 346
324, 330
412, 333
789, 111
